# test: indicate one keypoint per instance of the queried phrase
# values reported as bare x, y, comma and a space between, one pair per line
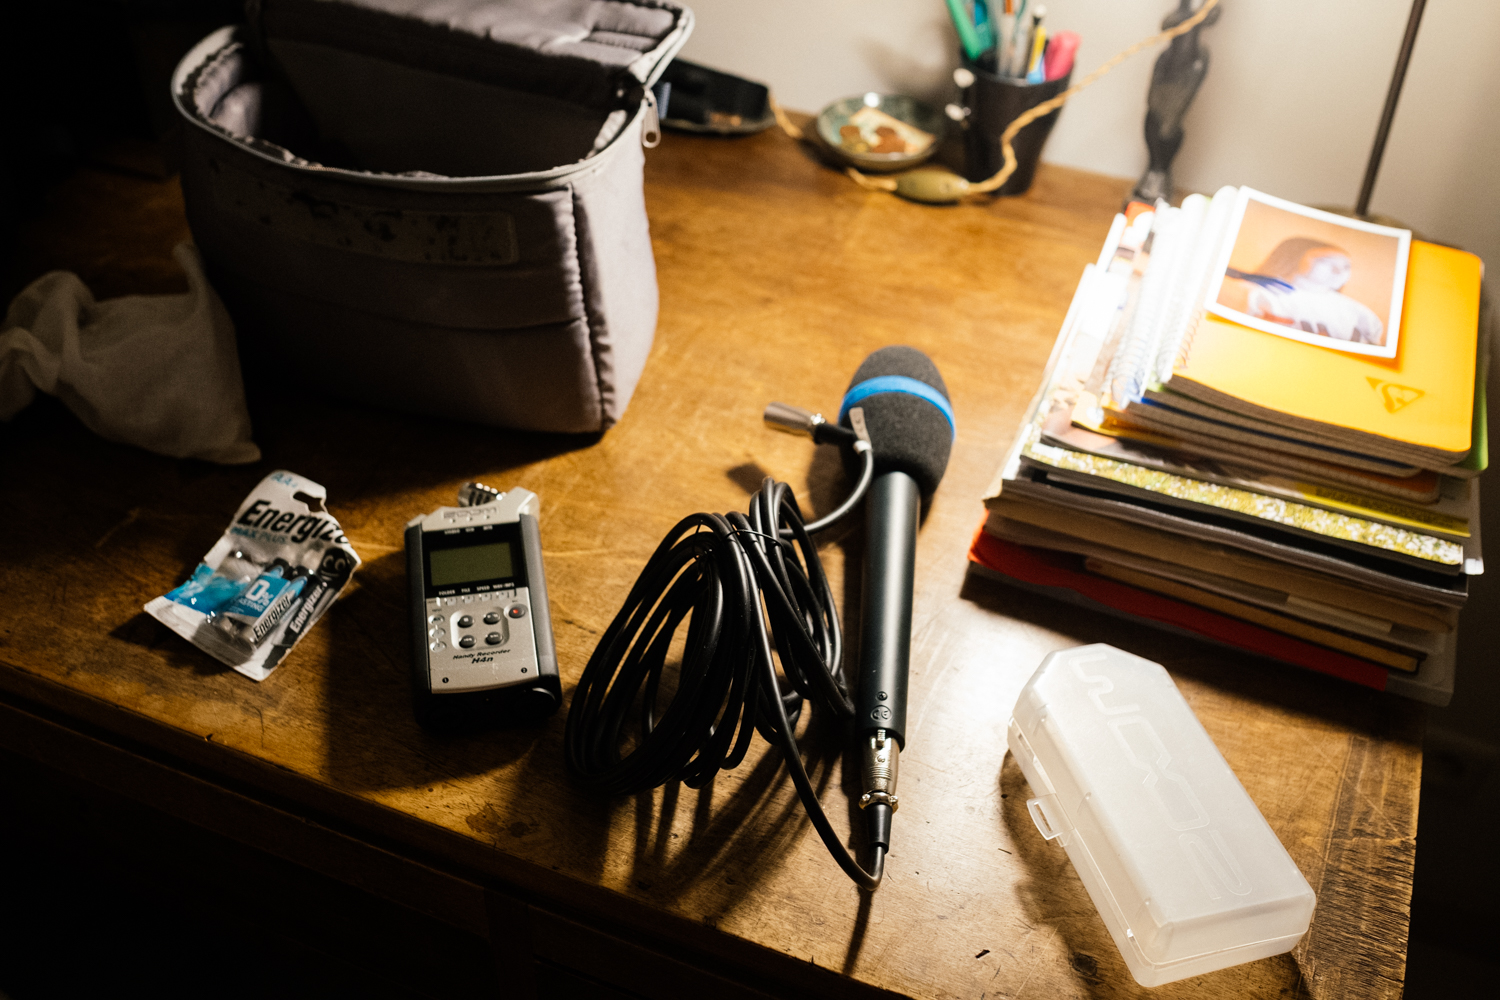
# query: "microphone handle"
891, 513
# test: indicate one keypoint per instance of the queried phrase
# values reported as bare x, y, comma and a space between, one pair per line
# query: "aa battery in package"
264, 585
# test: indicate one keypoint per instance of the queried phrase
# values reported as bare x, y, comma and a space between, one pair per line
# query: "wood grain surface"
778, 276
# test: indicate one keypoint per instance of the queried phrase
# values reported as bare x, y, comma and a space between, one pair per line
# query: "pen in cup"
1034, 71
1061, 50
1026, 54
1020, 41
964, 25
984, 27
1006, 41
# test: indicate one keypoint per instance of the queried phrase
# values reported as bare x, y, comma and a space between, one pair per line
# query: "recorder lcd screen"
470, 564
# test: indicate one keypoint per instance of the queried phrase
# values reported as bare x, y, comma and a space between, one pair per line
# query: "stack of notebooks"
1261, 425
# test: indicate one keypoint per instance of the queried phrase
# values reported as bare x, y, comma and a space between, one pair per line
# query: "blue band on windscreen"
898, 383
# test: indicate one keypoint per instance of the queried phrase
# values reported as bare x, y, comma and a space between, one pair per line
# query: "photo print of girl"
1313, 276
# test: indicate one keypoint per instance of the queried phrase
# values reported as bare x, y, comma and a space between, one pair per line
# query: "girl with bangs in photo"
1300, 285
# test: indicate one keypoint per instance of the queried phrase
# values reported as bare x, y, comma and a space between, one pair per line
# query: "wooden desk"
777, 278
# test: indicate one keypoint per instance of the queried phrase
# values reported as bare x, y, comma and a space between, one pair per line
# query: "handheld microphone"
743, 585
909, 420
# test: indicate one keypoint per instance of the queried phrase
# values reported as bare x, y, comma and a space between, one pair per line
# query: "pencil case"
434, 205
1179, 862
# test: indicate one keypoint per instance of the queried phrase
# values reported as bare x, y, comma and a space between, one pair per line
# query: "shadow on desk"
1055, 900
364, 454
148, 633
1354, 743
1228, 671
369, 678
729, 831
1052, 893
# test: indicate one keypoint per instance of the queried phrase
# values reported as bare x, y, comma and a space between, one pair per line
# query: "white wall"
1290, 106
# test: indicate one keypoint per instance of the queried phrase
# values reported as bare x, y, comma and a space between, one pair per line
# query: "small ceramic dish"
881, 132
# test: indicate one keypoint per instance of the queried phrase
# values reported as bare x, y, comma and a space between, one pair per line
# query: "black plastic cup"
993, 102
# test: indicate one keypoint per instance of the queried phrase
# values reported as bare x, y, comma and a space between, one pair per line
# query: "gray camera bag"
434, 205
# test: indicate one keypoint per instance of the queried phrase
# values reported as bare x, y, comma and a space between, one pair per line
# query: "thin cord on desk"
744, 584
1008, 164
867, 473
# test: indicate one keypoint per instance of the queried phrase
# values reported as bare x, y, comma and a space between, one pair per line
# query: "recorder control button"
492, 618
466, 621
467, 642
517, 611
494, 639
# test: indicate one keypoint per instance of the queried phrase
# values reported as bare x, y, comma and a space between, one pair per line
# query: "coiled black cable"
744, 583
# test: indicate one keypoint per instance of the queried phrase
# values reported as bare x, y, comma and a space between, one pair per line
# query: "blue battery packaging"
273, 573
324, 582
210, 590
257, 597
256, 612
189, 589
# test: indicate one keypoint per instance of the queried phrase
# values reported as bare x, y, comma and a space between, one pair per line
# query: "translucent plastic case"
1181, 865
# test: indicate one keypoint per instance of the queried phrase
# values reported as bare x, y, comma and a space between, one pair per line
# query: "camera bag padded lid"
554, 80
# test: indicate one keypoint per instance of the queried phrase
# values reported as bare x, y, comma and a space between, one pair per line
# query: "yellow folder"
1423, 398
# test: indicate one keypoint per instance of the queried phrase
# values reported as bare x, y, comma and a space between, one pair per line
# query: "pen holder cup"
991, 104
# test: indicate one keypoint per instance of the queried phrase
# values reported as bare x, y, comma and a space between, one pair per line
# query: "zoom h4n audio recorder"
482, 649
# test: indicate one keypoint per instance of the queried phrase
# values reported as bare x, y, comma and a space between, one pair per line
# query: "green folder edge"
1479, 455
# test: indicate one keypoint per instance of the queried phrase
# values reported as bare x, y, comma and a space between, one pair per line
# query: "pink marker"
1058, 61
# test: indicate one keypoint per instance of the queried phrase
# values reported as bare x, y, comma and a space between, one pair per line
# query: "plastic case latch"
1044, 814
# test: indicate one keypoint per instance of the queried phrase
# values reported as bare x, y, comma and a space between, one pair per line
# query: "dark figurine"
1175, 81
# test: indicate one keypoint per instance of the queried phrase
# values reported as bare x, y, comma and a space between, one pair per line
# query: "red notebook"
1049, 568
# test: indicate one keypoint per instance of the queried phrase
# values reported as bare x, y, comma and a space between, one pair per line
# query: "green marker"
967, 36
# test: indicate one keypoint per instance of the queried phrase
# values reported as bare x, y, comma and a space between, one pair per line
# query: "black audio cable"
744, 584
747, 583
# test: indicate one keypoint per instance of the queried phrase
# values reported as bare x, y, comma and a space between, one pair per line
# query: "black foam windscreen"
909, 433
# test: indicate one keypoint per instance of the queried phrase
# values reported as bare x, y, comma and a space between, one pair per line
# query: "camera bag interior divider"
434, 205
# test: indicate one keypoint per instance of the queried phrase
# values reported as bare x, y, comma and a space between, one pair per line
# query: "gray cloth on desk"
157, 371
